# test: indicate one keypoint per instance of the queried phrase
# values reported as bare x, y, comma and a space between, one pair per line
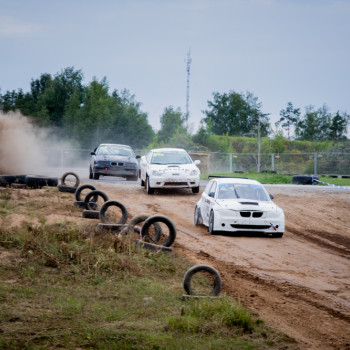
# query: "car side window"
207, 188
213, 188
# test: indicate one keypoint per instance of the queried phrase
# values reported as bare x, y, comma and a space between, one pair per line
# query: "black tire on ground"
38, 181
69, 173
6, 180
137, 219
108, 204
153, 247
16, 185
165, 220
94, 194
197, 216
64, 188
91, 214
81, 188
302, 180
277, 234
149, 189
211, 224
195, 189
110, 227
81, 204
206, 268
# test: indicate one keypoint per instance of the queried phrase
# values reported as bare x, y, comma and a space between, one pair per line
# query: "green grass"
270, 178
68, 288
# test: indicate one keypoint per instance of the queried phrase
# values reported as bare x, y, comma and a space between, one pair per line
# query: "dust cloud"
25, 148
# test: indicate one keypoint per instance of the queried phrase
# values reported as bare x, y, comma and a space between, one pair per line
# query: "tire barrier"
165, 220
38, 181
94, 194
65, 175
91, 214
7, 180
104, 214
65, 188
217, 282
31, 181
137, 219
83, 187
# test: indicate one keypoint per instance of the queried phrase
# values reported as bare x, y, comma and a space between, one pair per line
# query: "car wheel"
95, 176
195, 189
197, 216
211, 223
217, 282
90, 173
149, 189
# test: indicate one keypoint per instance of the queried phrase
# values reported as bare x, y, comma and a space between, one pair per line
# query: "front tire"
197, 216
149, 189
195, 189
211, 223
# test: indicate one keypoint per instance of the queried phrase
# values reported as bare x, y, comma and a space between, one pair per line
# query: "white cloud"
12, 27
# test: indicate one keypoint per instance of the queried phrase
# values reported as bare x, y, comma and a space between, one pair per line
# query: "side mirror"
93, 153
271, 196
197, 162
211, 194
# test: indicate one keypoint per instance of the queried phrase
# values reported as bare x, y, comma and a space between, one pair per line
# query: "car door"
208, 201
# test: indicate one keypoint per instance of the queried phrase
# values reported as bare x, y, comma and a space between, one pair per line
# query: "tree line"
91, 114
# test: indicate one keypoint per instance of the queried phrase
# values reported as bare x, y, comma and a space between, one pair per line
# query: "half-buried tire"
94, 194
112, 203
217, 282
165, 220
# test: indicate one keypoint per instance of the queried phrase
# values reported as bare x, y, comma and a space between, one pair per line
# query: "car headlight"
193, 173
156, 173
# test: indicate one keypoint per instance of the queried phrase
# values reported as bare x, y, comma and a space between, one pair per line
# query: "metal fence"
283, 163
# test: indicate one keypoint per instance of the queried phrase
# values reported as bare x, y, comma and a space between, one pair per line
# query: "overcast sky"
280, 50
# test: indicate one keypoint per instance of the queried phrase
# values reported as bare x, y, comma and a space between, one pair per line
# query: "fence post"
230, 155
315, 163
272, 162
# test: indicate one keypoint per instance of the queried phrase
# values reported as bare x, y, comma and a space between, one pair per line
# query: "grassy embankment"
65, 286
270, 178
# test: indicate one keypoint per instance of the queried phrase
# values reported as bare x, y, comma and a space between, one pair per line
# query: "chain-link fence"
284, 163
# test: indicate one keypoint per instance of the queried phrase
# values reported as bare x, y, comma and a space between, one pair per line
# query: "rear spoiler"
227, 177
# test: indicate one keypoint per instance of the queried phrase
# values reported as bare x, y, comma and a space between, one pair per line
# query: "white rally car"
169, 168
238, 205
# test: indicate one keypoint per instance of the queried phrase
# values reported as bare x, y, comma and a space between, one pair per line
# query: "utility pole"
188, 67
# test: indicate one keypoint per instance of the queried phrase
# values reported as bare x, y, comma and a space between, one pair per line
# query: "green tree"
235, 114
289, 117
171, 121
321, 125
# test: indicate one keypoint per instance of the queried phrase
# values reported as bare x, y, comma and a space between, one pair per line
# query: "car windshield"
175, 157
244, 191
115, 150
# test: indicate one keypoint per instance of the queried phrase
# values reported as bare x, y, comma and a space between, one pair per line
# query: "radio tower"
188, 67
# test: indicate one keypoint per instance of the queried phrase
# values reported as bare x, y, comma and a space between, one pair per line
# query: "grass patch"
270, 178
72, 288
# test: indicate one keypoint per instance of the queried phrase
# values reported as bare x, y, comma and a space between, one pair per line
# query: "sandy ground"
299, 284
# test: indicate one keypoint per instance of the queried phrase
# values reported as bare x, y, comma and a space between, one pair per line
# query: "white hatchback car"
169, 168
238, 205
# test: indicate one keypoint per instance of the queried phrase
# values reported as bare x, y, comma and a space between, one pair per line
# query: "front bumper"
268, 222
174, 182
116, 171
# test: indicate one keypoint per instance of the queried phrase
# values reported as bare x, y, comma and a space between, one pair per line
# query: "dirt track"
299, 284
